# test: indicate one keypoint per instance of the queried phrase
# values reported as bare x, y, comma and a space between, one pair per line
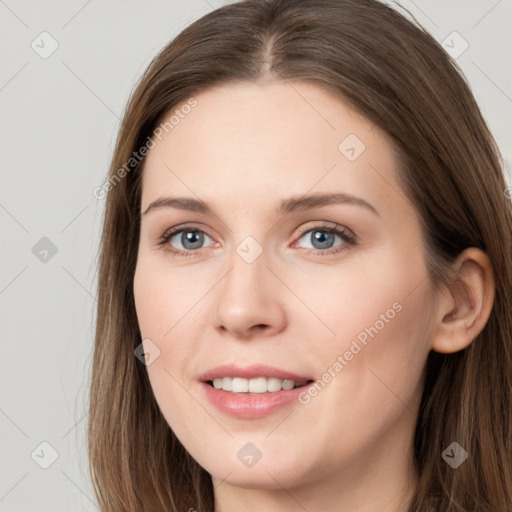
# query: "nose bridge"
247, 296
248, 258
245, 282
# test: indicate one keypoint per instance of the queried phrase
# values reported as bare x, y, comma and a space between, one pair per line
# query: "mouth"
254, 391
255, 386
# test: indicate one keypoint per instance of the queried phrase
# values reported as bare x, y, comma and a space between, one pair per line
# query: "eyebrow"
284, 207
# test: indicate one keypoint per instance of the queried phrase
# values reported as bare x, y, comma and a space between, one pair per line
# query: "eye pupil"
321, 237
194, 237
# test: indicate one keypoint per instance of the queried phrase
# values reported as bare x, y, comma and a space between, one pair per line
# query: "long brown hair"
395, 74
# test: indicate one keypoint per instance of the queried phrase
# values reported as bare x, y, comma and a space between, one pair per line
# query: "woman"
235, 366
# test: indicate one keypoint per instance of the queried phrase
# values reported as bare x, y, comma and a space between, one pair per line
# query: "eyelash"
349, 238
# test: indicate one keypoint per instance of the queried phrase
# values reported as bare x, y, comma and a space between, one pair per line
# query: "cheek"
161, 297
372, 376
375, 365
372, 364
163, 306
163, 314
372, 306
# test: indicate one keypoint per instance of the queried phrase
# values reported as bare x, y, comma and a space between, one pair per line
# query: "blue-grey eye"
320, 238
189, 239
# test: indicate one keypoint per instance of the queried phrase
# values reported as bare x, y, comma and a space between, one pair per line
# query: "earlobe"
465, 307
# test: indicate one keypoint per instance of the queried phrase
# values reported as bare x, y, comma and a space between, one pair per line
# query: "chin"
263, 477
272, 471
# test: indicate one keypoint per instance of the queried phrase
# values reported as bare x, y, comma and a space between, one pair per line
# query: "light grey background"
60, 116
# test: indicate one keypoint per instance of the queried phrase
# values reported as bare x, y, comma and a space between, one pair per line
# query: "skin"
242, 149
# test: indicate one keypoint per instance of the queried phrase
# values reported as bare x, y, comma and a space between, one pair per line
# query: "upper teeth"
258, 385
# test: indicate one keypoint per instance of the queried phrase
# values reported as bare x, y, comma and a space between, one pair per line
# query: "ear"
465, 308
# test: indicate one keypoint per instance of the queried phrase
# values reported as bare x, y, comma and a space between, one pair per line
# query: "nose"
250, 300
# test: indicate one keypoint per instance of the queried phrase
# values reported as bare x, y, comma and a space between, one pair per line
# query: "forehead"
252, 143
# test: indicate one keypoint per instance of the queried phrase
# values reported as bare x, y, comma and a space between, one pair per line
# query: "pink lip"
250, 372
247, 405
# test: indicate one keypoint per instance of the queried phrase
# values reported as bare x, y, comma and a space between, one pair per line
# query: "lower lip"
244, 405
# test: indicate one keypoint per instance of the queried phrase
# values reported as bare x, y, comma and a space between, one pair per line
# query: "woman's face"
256, 291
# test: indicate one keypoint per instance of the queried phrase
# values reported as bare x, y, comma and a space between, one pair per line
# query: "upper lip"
250, 372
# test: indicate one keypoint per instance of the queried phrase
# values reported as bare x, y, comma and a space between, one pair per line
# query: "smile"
256, 385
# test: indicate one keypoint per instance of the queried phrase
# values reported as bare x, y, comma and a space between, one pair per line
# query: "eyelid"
324, 224
186, 226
